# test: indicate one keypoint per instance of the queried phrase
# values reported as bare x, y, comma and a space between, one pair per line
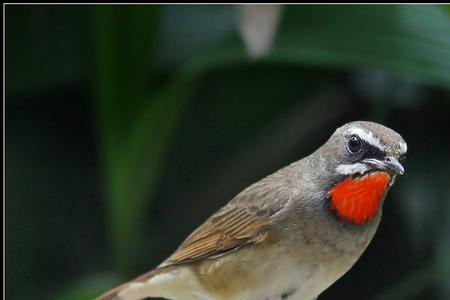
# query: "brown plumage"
235, 225
280, 237
227, 230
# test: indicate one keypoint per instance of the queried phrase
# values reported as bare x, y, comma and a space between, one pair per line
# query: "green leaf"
407, 40
404, 40
446, 8
138, 168
131, 130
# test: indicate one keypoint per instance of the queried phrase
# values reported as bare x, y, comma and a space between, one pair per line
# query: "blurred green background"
126, 126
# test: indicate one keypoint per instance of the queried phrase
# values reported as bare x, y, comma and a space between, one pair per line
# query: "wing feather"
228, 229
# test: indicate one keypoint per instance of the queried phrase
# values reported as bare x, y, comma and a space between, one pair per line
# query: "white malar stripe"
350, 169
367, 136
403, 147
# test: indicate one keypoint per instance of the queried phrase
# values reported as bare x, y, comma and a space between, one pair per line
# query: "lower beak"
390, 164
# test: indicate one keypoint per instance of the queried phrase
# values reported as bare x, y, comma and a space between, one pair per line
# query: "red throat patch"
356, 200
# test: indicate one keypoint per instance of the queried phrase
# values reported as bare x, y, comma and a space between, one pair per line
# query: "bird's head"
364, 158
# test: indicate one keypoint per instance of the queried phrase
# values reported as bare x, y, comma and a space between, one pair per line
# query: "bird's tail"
114, 294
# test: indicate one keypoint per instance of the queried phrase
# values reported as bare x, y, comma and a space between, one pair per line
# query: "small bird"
290, 235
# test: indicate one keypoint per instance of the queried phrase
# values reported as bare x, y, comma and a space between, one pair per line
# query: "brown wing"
228, 229
246, 219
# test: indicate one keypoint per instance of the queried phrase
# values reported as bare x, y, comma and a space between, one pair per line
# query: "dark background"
126, 126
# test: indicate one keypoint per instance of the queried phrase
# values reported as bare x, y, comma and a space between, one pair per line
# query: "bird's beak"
393, 163
390, 163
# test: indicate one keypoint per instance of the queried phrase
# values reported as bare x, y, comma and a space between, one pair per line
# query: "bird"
290, 235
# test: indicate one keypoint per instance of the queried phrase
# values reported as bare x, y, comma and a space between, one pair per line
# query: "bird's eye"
354, 143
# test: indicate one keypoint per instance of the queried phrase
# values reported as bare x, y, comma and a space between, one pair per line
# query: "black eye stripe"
363, 149
356, 144
372, 152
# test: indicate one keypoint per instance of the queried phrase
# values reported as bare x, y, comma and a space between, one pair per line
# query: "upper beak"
390, 163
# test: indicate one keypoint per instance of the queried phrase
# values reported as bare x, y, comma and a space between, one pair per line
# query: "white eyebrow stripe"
403, 147
367, 136
351, 169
